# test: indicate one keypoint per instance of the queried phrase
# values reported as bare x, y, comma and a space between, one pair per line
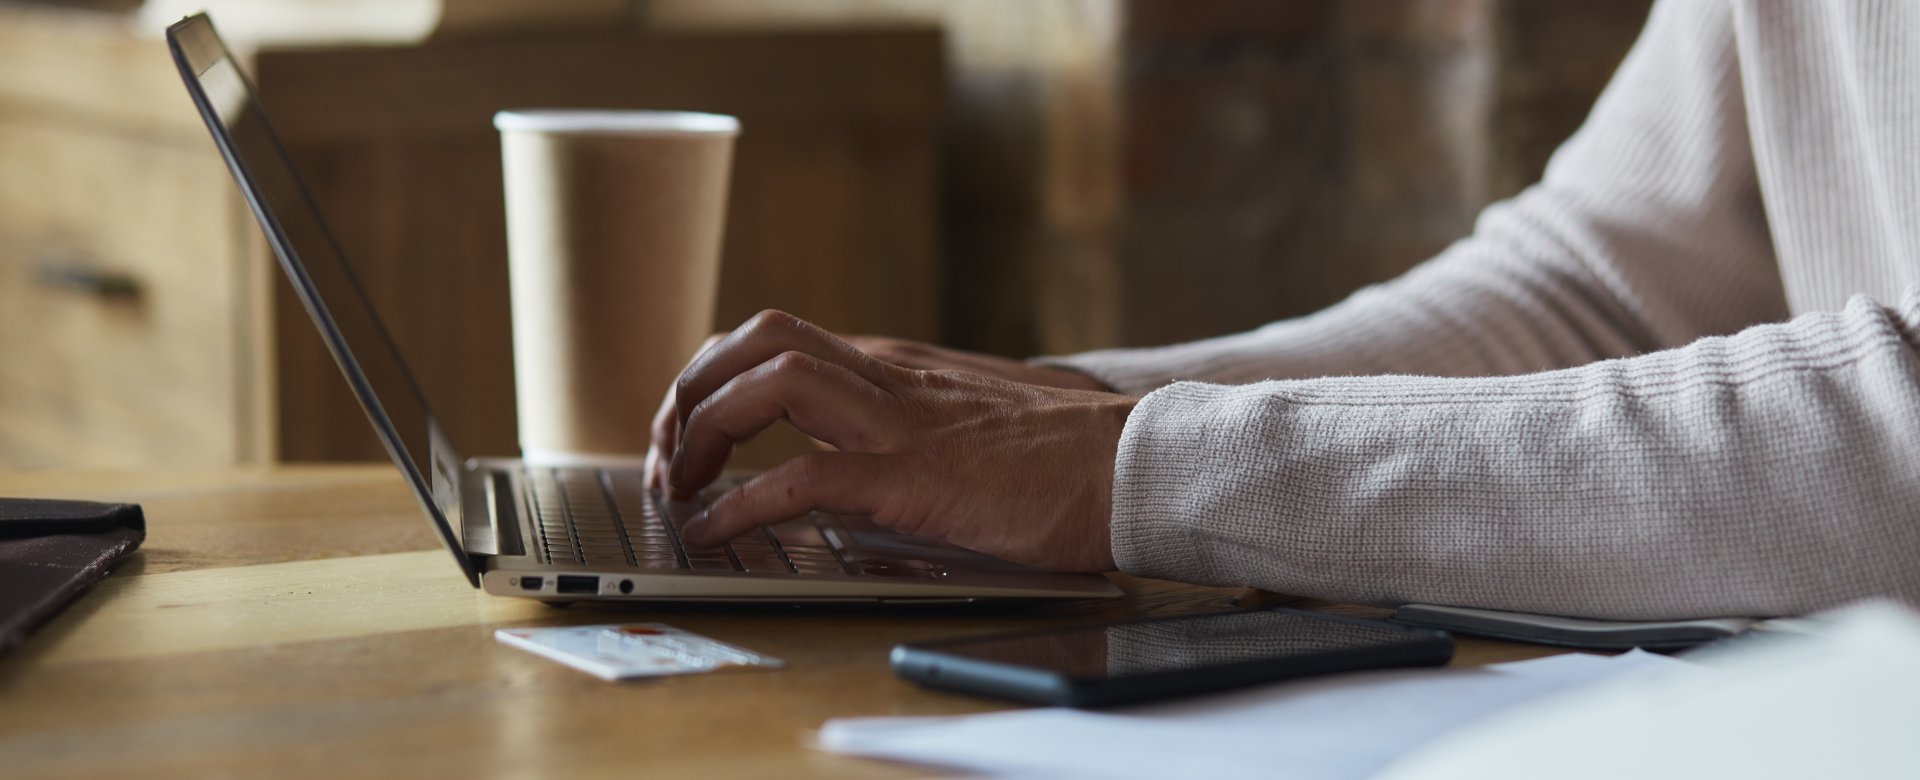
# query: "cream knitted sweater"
1551, 415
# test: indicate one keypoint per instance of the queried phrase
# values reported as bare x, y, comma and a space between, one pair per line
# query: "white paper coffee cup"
614, 222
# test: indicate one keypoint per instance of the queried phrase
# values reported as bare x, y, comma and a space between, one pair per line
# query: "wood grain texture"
158, 367
108, 171
95, 67
285, 623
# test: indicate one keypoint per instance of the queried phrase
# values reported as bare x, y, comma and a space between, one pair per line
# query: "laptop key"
799, 533
764, 563
811, 555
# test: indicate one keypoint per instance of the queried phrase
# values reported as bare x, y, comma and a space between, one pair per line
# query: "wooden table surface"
302, 621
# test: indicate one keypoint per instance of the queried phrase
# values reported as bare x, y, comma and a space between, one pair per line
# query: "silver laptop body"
585, 530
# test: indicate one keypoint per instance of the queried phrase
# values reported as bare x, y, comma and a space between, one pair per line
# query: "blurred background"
1013, 176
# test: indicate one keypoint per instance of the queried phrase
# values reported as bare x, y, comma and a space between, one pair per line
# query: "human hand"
900, 352
1019, 471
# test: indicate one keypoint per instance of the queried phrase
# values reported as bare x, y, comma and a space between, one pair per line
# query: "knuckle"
792, 364
771, 320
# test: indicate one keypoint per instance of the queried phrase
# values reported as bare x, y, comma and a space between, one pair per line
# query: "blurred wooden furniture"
300, 622
112, 184
1131, 172
131, 327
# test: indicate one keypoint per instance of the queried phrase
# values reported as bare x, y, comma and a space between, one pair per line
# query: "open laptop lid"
321, 275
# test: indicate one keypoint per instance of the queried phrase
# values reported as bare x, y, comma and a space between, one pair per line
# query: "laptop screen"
326, 282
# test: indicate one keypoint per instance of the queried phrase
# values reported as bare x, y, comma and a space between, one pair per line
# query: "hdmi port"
573, 583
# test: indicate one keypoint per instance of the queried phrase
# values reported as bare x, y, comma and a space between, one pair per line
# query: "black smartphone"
1153, 658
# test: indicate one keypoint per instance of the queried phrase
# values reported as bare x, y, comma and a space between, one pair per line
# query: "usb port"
532, 583
573, 583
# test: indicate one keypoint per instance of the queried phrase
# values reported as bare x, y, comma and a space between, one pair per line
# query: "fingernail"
695, 532
674, 479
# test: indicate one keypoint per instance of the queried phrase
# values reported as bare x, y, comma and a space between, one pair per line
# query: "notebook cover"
52, 551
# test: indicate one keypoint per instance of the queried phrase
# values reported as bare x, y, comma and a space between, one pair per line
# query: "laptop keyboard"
593, 517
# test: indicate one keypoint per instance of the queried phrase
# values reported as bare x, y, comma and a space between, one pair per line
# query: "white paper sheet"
1338, 727
1844, 702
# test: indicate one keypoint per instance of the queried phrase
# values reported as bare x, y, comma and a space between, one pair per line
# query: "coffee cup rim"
617, 121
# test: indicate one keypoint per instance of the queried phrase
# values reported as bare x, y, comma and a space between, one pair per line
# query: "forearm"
1481, 309
1771, 472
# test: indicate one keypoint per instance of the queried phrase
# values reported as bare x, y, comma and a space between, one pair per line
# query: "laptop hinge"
478, 531
496, 531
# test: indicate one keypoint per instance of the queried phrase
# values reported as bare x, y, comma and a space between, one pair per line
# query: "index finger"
765, 336
848, 483
666, 425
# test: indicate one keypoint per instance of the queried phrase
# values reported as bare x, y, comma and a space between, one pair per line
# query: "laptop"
587, 531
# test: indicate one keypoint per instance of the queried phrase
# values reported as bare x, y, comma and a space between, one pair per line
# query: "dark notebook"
51, 551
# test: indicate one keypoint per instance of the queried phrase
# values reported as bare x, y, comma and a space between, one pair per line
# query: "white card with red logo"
623, 652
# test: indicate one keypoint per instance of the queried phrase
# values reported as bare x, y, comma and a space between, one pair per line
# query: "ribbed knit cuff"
1154, 501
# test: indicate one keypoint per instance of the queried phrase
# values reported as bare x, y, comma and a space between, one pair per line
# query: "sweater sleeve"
1646, 232
1775, 471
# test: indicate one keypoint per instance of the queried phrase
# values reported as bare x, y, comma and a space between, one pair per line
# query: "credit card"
621, 652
